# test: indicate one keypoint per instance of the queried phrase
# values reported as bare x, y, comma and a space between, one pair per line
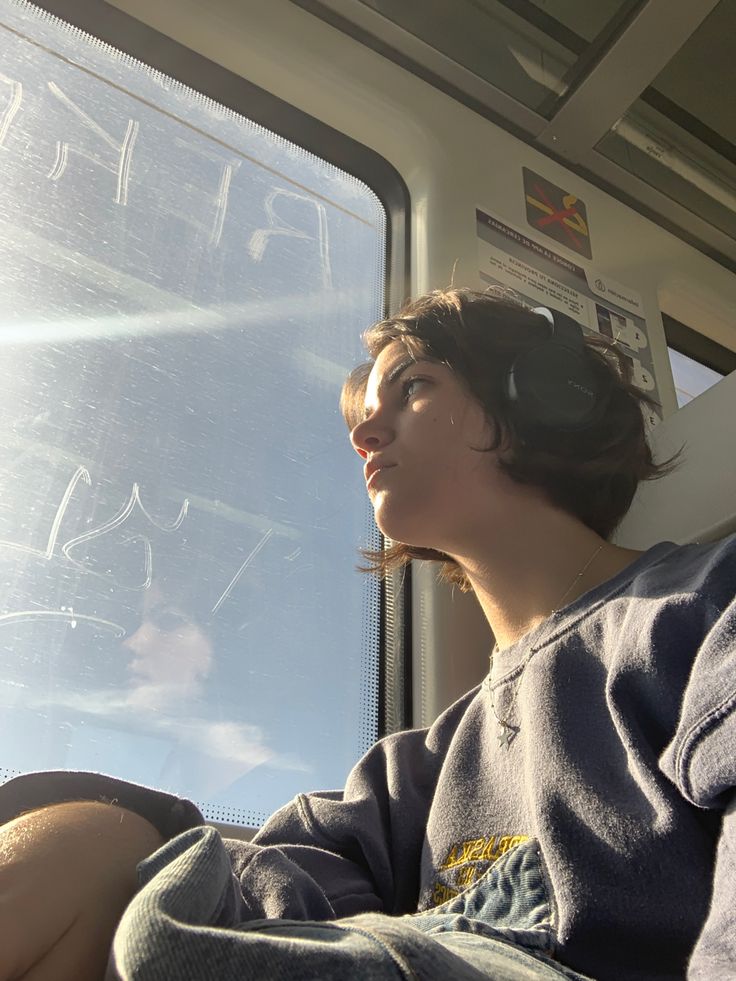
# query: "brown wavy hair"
590, 473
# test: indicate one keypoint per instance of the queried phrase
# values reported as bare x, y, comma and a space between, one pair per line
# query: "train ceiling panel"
634, 95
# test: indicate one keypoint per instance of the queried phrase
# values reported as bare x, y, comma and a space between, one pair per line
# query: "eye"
168, 620
410, 386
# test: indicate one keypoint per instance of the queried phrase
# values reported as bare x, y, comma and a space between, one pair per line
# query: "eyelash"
406, 386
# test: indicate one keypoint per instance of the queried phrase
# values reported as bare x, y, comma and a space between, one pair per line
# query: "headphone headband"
565, 330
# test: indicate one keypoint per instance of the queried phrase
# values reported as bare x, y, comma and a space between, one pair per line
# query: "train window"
183, 295
691, 378
697, 362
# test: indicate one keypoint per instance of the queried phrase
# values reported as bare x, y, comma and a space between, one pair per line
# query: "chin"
389, 523
402, 529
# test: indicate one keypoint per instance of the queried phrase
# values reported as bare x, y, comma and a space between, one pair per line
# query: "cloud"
234, 745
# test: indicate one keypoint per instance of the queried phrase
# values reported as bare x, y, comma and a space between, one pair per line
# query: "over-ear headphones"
553, 385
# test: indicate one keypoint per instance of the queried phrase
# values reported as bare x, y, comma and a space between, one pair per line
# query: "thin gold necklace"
506, 731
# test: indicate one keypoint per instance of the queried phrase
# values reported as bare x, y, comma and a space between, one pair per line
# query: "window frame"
685, 340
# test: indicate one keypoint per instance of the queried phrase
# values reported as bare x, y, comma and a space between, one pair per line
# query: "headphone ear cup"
553, 386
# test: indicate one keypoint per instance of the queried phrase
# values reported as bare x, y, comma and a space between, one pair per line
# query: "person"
169, 653
572, 816
170, 656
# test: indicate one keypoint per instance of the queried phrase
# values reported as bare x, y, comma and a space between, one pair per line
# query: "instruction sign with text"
541, 276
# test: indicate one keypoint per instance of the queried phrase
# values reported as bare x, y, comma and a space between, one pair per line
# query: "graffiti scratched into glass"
183, 294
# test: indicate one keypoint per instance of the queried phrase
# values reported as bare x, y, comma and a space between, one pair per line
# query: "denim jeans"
499, 929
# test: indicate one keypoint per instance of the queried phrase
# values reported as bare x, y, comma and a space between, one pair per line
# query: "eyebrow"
393, 375
396, 371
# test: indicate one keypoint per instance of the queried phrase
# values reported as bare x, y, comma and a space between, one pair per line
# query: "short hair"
591, 473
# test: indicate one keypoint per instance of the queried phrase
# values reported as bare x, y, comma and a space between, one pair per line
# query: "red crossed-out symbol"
564, 217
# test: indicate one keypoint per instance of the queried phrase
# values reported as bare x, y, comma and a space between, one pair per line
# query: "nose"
139, 641
370, 436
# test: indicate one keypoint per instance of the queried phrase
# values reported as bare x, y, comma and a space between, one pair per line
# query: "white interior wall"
700, 494
451, 160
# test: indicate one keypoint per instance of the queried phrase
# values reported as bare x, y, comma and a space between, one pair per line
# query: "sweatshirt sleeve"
714, 955
363, 845
358, 850
701, 761
701, 757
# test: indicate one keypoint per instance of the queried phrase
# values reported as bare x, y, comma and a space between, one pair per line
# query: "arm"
714, 955
701, 761
363, 846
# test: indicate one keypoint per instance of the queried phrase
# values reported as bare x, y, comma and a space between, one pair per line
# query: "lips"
373, 468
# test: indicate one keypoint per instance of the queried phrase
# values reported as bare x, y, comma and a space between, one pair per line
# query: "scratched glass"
183, 294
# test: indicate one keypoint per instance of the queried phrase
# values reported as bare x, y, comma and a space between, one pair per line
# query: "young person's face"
422, 438
169, 647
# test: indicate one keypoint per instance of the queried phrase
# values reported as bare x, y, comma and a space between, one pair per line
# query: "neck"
524, 570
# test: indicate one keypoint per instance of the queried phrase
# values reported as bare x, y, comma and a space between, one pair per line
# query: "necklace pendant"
506, 733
